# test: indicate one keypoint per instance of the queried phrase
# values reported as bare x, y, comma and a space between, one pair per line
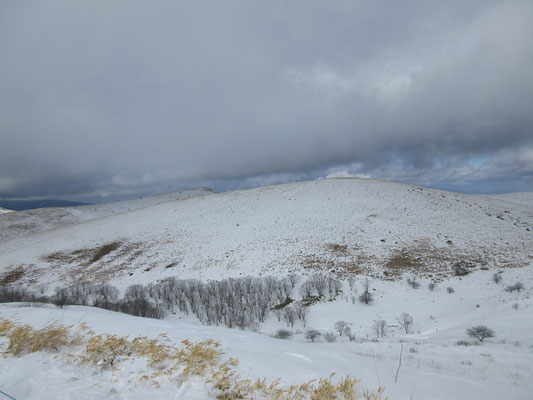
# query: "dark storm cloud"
110, 98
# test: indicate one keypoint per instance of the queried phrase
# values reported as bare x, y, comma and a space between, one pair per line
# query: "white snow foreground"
433, 366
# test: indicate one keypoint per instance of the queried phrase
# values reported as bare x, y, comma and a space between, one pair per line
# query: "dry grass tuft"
23, 339
202, 358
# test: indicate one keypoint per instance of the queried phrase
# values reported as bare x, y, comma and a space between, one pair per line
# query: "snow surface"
278, 229
524, 198
348, 226
28, 222
433, 366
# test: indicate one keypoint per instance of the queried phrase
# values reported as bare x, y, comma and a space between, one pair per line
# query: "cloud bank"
112, 98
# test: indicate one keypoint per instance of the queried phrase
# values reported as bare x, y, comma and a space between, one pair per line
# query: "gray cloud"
123, 97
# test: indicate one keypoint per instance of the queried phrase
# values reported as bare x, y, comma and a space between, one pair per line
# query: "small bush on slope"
480, 332
202, 358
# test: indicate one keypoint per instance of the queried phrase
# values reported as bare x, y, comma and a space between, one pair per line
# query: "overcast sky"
116, 98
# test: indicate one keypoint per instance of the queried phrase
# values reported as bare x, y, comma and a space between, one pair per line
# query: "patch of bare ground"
88, 256
421, 258
338, 249
12, 276
427, 260
339, 260
98, 264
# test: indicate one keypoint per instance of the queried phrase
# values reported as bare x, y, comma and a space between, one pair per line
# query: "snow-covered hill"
25, 223
4, 211
346, 226
349, 228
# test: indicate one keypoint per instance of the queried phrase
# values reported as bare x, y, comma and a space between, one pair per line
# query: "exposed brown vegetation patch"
88, 256
12, 276
97, 264
348, 265
423, 258
103, 251
338, 249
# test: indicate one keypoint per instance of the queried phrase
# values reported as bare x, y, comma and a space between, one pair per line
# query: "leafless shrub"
480, 332
413, 283
330, 337
497, 277
366, 297
450, 290
406, 321
432, 286
518, 286
380, 328
283, 334
312, 334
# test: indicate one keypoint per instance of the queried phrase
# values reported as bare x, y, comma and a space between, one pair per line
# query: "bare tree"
293, 279
348, 332
306, 290
480, 332
312, 334
406, 321
366, 297
289, 314
320, 283
341, 326
380, 328
301, 311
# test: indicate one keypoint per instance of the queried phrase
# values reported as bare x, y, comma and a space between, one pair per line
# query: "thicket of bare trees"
231, 302
320, 285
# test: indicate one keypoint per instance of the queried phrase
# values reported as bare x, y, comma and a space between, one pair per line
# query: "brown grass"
202, 358
338, 249
12, 276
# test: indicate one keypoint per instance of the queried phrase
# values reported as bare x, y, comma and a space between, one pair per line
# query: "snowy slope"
25, 223
524, 198
340, 225
433, 366
4, 211
347, 227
